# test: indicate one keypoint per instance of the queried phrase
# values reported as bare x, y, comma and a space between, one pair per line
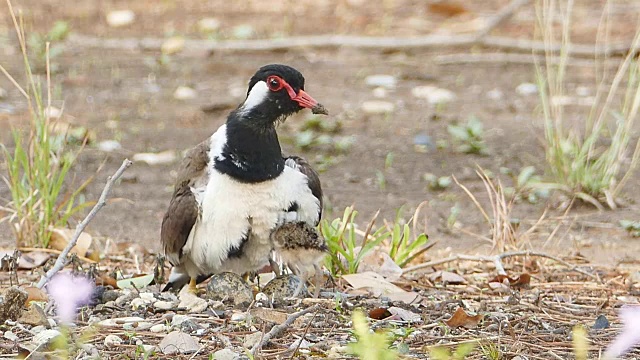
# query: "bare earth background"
125, 95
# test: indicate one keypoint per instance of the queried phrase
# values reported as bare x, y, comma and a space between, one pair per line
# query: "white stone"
381, 80
238, 317
252, 339
120, 18
434, 95
526, 89
184, 93
147, 296
158, 328
179, 319
112, 340
225, 354
137, 302
164, 305
109, 146
495, 94
208, 25
172, 45
380, 92
10, 336
3, 93
377, 107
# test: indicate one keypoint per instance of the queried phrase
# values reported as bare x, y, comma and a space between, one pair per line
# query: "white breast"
230, 208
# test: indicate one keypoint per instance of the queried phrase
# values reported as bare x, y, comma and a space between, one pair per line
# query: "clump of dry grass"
592, 164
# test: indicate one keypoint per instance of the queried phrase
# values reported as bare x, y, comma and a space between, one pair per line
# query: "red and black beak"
306, 101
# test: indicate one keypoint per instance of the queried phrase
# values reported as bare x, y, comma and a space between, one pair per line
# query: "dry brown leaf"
32, 260
372, 282
447, 8
104, 279
521, 281
381, 263
461, 319
379, 313
35, 294
61, 237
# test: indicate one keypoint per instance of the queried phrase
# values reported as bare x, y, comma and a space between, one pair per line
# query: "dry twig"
102, 201
497, 261
278, 329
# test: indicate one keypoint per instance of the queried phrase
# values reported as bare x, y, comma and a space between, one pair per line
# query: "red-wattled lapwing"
235, 188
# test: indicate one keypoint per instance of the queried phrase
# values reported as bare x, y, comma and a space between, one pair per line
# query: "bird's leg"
303, 280
192, 286
275, 267
317, 281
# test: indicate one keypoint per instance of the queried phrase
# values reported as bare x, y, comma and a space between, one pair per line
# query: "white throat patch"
258, 93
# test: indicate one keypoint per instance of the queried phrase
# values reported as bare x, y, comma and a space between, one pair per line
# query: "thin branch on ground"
102, 201
278, 329
508, 58
497, 261
343, 41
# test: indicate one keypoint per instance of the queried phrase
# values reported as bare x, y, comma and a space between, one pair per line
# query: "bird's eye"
274, 83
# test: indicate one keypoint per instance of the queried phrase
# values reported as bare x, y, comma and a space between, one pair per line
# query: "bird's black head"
275, 92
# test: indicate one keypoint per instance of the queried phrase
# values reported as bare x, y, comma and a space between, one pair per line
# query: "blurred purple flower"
630, 335
69, 292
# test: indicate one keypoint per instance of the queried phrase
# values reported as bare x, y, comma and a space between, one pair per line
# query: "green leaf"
137, 282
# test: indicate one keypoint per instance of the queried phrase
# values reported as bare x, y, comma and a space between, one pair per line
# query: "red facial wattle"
302, 98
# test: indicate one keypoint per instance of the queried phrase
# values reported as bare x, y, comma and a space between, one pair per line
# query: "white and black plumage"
235, 188
302, 249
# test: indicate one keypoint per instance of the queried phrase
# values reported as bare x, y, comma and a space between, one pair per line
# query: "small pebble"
225, 354
208, 25
495, 94
112, 340
380, 80
184, 93
3, 94
10, 336
252, 339
147, 296
433, 95
179, 319
380, 92
243, 31
377, 107
238, 317
109, 146
119, 18
163, 305
158, 328
172, 45
527, 89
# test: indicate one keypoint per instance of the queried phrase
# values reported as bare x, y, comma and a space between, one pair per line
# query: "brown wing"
313, 178
184, 209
